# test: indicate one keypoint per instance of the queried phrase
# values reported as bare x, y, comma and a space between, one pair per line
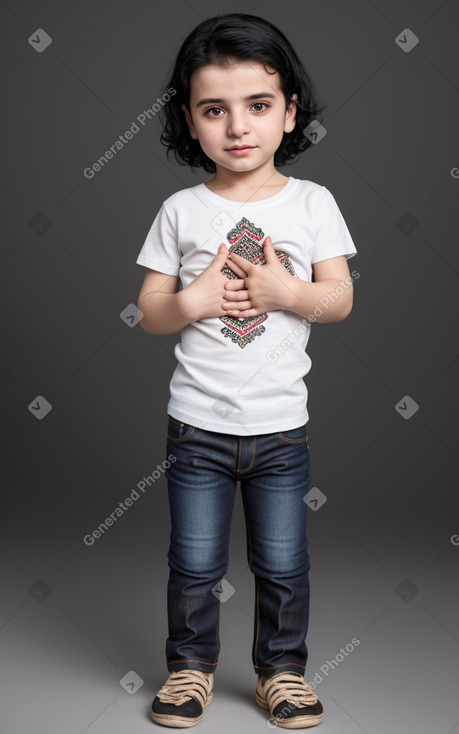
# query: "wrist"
292, 299
186, 306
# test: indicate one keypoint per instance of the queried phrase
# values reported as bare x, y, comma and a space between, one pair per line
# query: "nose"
238, 124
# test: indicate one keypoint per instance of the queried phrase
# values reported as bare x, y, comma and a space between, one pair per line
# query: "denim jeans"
274, 474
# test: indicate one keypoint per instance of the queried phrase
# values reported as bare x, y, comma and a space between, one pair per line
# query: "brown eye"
212, 109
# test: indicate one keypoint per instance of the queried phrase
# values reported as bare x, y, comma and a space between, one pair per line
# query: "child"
239, 100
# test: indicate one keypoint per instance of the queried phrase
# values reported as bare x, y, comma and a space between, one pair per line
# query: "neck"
247, 181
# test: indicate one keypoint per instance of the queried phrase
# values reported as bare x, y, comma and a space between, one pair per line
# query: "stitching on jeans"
257, 612
182, 438
217, 628
257, 600
174, 420
257, 620
293, 440
252, 461
190, 660
181, 424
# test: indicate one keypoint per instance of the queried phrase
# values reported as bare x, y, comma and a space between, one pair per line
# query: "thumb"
268, 250
222, 253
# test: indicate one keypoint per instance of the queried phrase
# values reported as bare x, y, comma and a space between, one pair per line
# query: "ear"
290, 115
189, 121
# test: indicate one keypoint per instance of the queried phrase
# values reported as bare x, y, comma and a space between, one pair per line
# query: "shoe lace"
289, 687
181, 686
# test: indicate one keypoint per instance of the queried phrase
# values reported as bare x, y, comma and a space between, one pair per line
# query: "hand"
260, 288
204, 297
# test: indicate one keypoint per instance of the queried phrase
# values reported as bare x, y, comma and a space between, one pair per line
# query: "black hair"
220, 40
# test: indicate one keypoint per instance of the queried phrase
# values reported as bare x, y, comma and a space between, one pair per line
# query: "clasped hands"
258, 288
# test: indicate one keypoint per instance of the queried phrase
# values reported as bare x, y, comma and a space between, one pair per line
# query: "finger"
243, 314
235, 285
236, 296
236, 268
239, 260
236, 306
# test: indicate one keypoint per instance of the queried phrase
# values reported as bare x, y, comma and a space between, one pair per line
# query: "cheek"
272, 123
207, 132
272, 130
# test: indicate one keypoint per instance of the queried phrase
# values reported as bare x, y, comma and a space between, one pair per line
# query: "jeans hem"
191, 665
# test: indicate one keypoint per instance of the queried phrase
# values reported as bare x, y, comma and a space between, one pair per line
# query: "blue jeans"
274, 472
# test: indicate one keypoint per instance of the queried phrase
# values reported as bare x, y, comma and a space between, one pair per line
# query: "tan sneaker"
181, 700
289, 700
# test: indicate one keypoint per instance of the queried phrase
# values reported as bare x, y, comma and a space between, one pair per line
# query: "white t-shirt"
244, 377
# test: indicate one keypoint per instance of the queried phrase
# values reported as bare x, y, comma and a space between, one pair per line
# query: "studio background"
83, 627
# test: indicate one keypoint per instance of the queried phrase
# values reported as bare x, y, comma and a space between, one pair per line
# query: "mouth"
240, 151
241, 147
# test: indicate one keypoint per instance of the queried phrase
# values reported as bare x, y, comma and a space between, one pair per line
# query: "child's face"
222, 115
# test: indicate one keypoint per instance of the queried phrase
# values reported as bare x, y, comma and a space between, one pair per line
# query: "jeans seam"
252, 461
190, 660
257, 621
292, 440
257, 597
182, 438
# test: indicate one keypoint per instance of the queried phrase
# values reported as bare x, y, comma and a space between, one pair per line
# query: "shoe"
181, 700
289, 700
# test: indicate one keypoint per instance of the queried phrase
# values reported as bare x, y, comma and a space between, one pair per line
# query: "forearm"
325, 301
164, 313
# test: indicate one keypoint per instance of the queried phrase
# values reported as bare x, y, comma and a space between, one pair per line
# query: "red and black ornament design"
245, 240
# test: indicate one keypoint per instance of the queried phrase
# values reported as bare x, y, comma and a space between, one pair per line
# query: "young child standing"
239, 101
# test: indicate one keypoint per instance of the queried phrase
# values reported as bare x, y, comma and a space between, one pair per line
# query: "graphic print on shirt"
245, 241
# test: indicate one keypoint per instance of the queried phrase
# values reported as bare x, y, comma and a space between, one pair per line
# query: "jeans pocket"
295, 435
178, 431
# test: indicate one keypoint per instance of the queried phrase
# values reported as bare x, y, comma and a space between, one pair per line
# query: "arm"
271, 287
329, 297
162, 306
166, 311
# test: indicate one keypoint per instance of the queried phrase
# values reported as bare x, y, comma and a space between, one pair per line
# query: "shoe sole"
297, 722
179, 722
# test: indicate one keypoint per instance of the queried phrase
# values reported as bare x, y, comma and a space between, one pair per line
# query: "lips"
240, 147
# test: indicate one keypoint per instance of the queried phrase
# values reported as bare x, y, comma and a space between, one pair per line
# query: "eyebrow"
218, 100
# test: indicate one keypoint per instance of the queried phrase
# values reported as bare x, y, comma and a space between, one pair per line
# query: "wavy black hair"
220, 40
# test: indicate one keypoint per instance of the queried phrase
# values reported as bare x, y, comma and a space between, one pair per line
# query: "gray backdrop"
83, 627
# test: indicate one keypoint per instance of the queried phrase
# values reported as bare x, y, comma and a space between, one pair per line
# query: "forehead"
234, 81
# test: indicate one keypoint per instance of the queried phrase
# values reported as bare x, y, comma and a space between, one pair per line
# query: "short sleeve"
160, 250
332, 236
